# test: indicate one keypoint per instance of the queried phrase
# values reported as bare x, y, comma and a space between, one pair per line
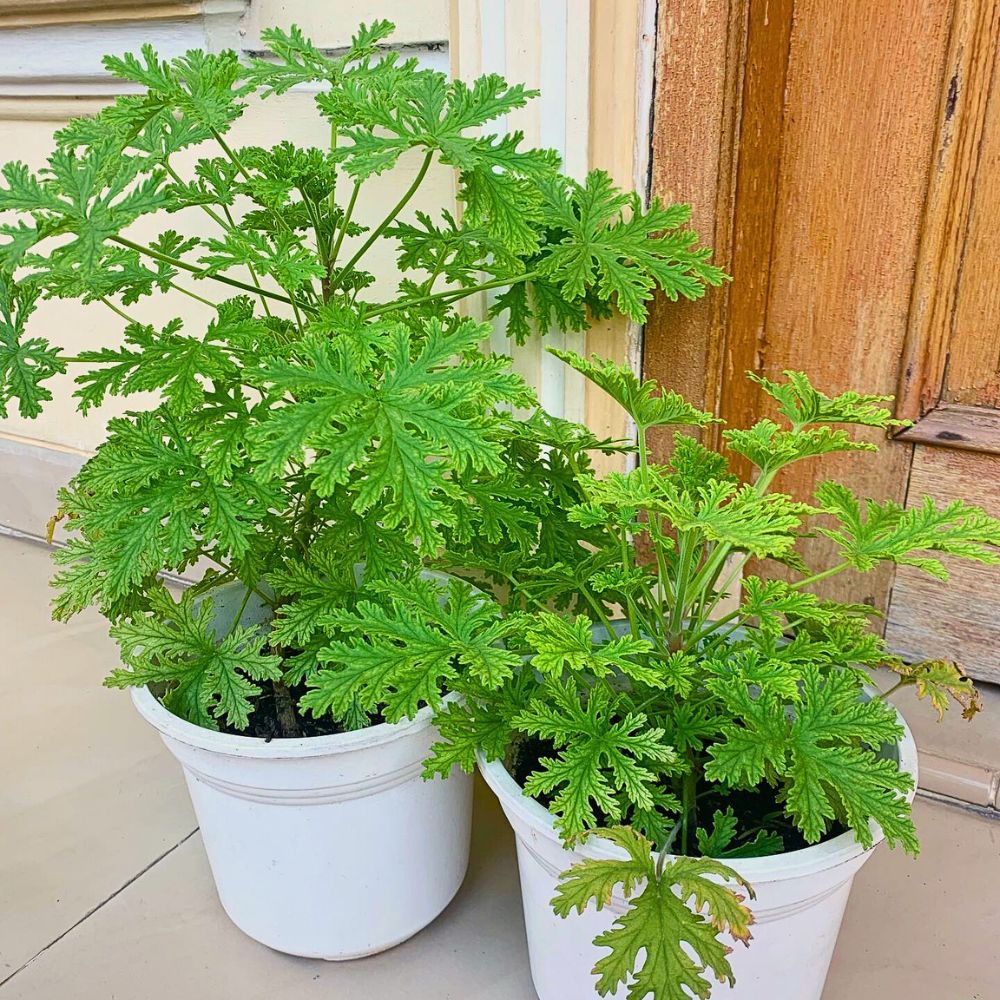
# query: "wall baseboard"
31, 474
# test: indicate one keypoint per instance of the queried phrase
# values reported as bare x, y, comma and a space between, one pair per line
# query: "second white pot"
329, 846
801, 897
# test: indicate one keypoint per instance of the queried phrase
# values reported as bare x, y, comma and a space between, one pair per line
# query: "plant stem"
253, 274
239, 614
124, 315
386, 222
234, 159
199, 272
269, 601
451, 294
816, 577
342, 230
284, 709
683, 571
689, 805
193, 295
883, 695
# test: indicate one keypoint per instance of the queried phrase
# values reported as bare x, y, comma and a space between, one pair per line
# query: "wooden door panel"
958, 619
973, 369
854, 172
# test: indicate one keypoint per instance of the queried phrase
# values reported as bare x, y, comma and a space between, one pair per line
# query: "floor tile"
89, 797
168, 932
925, 928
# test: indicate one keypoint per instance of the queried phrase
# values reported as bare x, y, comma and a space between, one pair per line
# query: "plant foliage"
657, 729
303, 427
324, 448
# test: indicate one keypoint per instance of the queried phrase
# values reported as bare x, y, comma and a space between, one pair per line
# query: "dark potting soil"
756, 809
264, 722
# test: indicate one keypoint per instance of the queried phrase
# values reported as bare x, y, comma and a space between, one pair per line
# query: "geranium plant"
313, 444
621, 698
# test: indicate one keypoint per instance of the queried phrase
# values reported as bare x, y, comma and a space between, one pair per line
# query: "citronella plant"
305, 429
621, 697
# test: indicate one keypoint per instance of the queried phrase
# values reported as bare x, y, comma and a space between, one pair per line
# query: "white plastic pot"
801, 897
328, 846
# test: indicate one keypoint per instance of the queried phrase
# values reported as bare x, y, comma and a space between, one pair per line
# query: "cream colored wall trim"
31, 474
331, 23
64, 60
28, 13
592, 61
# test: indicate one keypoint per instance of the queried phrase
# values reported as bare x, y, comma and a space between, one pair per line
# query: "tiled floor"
105, 893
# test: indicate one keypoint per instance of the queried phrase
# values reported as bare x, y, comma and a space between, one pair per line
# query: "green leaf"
643, 401
564, 644
401, 429
202, 87
598, 757
153, 360
295, 60
208, 677
719, 841
675, 922
770, 448
401, 654
800, 403
824, 757
887, 532
25, 363
622, 251
480, 722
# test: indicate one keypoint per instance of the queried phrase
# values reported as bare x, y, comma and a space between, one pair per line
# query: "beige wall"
586, 54
27, 123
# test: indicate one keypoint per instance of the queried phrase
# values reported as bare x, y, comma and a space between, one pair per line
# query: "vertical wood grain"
958, 619
860, 97
961, 119
973, 375
700, 51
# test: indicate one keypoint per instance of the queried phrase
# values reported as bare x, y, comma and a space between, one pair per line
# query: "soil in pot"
755, 810
270, 720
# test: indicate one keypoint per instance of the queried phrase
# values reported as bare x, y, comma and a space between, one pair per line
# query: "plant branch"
385, 223
450, 295
197, 271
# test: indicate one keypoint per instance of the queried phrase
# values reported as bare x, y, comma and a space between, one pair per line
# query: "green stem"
713, 629
253, 274
816, 577
684, 554
451, 294
242, 608
721, 589
905, 682
342, 229
229, 571
386, 222
199, 272
121, 312
689, 805
193, 295
599, 611
234, 159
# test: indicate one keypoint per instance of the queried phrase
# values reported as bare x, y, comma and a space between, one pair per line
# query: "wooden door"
950, 372
844, 160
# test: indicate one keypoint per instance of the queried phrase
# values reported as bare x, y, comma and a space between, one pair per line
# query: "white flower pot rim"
227, 744
790, 864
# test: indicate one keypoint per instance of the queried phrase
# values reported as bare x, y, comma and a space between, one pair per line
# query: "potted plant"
308, 452
662, 762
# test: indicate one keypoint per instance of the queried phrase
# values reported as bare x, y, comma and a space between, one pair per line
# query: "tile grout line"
961, 805
100, 905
